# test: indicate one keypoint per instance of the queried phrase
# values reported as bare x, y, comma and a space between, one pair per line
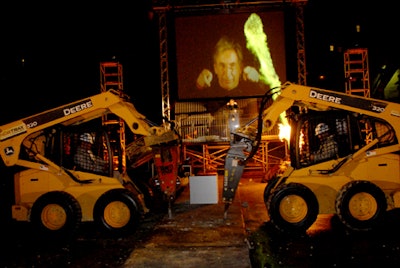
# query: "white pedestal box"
203, 189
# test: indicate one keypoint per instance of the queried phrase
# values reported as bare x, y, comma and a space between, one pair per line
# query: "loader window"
69, 143
372, 128
348, 131
321, 136
90, 154
32, 145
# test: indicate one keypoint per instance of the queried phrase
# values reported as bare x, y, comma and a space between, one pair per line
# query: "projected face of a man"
228, 69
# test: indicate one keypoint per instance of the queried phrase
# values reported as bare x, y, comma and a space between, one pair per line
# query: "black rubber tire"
268, 188
148, 193
116, 212
287, 218
360, 205
56, 215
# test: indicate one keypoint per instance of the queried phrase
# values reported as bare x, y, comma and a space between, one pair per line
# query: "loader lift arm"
248, 139
77, 113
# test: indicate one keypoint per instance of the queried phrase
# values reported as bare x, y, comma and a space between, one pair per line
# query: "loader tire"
360, 205
148, 193
292, 208
116, 212
268, 188
56, 215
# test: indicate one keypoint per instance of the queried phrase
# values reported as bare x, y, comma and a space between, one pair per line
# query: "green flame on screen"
256, 42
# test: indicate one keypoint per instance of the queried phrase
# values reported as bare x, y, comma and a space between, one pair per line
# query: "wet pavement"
198, 236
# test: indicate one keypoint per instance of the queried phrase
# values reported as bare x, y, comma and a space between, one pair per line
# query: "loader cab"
62, 144
87, 151
349, 132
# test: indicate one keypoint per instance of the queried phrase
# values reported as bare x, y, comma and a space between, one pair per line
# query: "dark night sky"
335, 23
62, 45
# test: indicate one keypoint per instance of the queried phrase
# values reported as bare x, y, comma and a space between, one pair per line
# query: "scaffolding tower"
300, 42
111, 77
356, 72
357, 78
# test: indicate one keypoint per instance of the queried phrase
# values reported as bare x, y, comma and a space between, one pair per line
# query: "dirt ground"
197, 235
